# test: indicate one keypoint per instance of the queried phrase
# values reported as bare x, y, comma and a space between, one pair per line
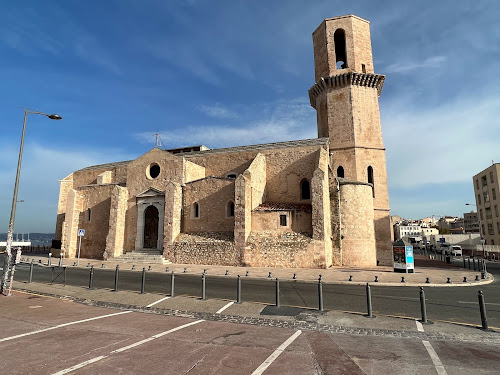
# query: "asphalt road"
456, 304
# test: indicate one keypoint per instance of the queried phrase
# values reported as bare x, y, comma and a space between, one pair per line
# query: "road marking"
475, 303
62, 325
276, 354
96, 359
435, 359
224, 307
80, 365
420, 327
154, 303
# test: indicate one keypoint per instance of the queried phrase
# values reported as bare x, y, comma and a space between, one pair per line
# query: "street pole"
8, 248
79, 247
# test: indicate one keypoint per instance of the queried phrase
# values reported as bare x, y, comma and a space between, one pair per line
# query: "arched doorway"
151, 217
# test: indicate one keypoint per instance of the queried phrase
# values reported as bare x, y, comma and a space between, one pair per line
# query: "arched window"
89, 214
340, 171
230, 209
305, 190
370, 178
195, 212
340, 49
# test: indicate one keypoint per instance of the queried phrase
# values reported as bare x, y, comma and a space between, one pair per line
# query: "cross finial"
159, 143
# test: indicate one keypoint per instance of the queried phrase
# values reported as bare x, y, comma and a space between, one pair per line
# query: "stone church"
306, 203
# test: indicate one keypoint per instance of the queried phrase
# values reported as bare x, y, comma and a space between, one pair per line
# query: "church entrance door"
151, 217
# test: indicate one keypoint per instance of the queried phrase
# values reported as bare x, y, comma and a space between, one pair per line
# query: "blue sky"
228, 73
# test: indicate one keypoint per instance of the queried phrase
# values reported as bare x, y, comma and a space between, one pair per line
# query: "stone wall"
66, 185
116, 233
297, 221
70, 225
192, 171
173, 218
206, 248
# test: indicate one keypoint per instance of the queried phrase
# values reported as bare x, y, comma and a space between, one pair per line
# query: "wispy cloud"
217, 111
408, 67
281, 121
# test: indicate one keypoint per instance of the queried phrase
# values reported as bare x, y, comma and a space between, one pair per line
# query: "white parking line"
62, 325
276, 354
435, 359
420, 327
96, 359
154, 303
224, 307
475, 303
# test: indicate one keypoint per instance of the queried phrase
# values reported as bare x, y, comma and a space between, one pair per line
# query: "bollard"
320, 295
61, 260
238, 290
49, 262
88, 264
204, 271
465, 279
477, 278
31, 272
149, 268
369, 302
52, 275
116, 278
203, 285
246, 273
227, 273
91, 277
143, 280
403, 280
185, 270
269, 276
277, 293
64, 274
133, 267
448, 280
423, 309
172, 284
427, 280
350, 277
484, 266
474, 263
294, 276
376, 279
166, 269
482, 309
39, 261
102, 265
483, 275
74, 264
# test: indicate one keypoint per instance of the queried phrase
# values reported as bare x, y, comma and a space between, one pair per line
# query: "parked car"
456, 250
443, 248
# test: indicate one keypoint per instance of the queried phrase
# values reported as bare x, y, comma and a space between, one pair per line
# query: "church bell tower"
345, 97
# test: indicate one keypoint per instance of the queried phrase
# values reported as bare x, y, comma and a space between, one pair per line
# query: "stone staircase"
144, 256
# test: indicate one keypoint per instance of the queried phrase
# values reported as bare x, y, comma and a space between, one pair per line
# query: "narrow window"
484, 181
370, 179
340, 171
490, 229
340, 49
492, 242
283, 220
488, 213
363, 68
481, 214
305, 190
478, 199
494, 194
230, 209
196, 210
498, 227
486, 197
491, 177
482, 227
496, 210
477, 184
89, 214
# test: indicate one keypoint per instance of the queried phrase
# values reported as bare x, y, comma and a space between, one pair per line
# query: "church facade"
306, 203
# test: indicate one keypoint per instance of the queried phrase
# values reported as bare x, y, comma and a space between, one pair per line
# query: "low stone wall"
290, 249
206, 248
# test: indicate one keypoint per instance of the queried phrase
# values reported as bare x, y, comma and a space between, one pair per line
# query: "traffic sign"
81, 232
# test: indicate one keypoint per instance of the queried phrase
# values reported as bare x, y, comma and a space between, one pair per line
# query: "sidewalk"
436, 271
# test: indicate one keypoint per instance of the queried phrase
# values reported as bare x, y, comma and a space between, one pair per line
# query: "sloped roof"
278, 206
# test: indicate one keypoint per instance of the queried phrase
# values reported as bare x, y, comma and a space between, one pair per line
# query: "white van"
456, 250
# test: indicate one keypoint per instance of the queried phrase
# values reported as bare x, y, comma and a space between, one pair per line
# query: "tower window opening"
340, 172
230, 209
196, 210
305, 190
89, 214
340, 49
283, 220
370, 179
363, 68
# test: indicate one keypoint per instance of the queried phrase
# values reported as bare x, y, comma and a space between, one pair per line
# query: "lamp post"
480, 228
8, 249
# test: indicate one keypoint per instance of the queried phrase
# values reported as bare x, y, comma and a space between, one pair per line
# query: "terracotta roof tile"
275, 206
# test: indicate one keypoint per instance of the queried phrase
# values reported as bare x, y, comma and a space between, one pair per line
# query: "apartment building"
471, 224
486, 188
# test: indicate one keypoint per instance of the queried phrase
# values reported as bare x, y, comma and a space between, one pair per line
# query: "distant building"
471, 224
486, 188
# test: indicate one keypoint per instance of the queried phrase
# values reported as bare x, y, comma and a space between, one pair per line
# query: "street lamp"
8, 249
480, 228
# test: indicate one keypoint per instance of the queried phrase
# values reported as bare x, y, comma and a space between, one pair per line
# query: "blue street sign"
81, 232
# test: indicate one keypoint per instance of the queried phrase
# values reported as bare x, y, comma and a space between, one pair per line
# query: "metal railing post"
423, 308
238, 289
320, 295
52, 275
369, 302
482, 309
203, 295
116, 278
64, 274
91, 277
277, 293
143, 280
172, 284
31, 272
